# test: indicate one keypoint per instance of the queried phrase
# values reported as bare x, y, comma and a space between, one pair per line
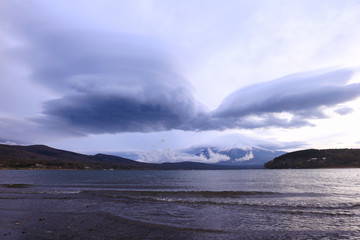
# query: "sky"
159, 76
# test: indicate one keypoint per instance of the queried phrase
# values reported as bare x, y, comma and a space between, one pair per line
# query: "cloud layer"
290, 101
111, 83
169, 155
102, 82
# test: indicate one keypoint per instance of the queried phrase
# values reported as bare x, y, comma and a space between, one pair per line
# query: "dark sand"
34, 218
85, 226
90, 224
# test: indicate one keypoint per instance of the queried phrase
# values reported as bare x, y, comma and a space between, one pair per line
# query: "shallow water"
264, 204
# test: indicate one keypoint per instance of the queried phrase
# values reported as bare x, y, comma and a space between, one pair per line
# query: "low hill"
44, 157
315, 158
41, 156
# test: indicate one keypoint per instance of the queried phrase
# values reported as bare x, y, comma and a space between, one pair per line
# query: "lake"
216, 204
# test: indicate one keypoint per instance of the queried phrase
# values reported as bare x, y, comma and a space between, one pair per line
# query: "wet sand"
37, 219
82, 226
51, 219
150, 205
43, 223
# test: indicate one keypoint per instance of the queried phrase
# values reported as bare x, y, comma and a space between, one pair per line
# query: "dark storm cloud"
103, 113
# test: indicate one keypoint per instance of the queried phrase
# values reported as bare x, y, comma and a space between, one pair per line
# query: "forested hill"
44, 157
314, 158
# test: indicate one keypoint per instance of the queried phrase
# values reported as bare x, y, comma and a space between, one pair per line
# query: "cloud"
25, 131
344, 110
290, 101
247, 157
284, 146
109, 83
102, 82
169, 155
131, 92
95, 113
244, 140
105, 82
8, 142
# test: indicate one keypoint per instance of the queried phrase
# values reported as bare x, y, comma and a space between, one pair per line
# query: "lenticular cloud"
300, 97
111, 83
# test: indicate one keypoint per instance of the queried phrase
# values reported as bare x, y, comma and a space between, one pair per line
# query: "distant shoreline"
55, 169
38, 157
315, 159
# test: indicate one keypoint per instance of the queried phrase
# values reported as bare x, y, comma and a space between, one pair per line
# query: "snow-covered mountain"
238, 156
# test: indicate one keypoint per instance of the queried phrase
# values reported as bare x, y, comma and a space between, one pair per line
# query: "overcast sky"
117, 76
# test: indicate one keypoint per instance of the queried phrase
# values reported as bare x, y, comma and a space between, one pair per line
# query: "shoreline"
167, 206
88, 223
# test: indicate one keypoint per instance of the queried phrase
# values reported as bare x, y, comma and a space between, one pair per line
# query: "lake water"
238, 204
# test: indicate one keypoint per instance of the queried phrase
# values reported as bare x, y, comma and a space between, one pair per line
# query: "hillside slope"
44, 157
314, 158
41, 156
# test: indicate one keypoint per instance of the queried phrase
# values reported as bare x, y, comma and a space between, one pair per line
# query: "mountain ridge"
44, 157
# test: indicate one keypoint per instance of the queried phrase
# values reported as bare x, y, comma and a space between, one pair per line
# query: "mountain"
41, 156
246, 157
315, 158
44, 157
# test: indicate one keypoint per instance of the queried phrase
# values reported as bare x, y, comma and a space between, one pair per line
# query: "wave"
195, 194
16, 185
277, 204
185, 193
259, 199
317, 212
42, 191
162, 225
299, 201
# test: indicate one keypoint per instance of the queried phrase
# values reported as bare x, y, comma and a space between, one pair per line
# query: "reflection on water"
305, 203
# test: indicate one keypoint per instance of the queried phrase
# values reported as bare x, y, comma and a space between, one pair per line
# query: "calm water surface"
266, 204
